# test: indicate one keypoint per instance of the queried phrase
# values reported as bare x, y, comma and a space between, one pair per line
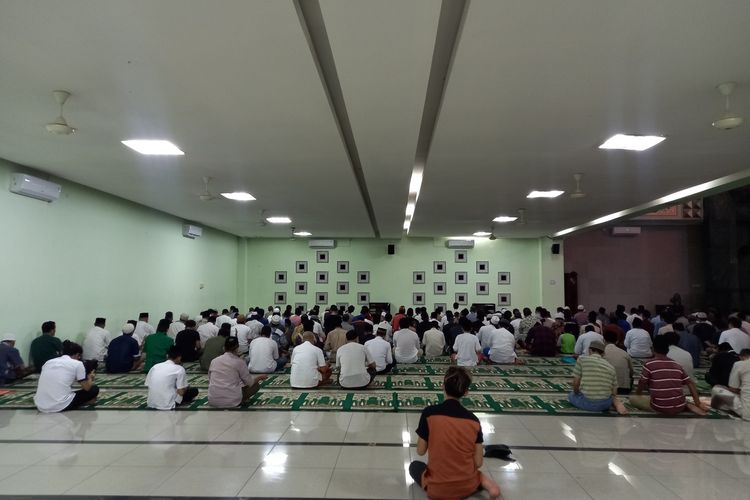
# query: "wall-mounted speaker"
555, 249
391, 249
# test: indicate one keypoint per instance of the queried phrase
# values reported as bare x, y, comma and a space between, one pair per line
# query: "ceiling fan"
729, 119
60, 125
577, 193
206, 195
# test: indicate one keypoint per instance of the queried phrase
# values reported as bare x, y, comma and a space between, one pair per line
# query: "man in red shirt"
453, 436
664, 379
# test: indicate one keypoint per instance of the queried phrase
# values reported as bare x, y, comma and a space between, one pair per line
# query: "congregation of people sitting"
240, 350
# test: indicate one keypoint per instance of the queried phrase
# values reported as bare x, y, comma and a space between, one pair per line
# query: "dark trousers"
82, 397
388, 368
416, 469
249, 390
190, 394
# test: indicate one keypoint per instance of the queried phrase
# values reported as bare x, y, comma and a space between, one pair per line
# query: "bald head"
309, 337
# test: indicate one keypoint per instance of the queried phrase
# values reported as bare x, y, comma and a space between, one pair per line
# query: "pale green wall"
90, 254
532, 271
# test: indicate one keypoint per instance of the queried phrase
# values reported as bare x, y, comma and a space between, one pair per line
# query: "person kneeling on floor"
595, 382
167, 383
54, 392
453, 436
356, 366
735, 397
309, 367
229, 381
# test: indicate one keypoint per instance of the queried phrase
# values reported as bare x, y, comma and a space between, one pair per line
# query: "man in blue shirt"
11, 363
123, 353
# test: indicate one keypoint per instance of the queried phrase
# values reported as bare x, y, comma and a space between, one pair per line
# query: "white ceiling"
530, 95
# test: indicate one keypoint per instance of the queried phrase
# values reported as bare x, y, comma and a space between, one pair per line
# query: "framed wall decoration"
417, 298
363, 298
321, 256
503, 299
341, 305
418, 277
460, 256
301, 266
342, 287
483, 267
461, 298
300, 287
321, 298
441, 304
363, 277
279, 298
438, 266
439, 288
503, 278
483, 288
321, 277
279, 277
461, 278
342, 266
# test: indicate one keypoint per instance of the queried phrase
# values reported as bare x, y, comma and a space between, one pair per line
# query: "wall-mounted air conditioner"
626, 231
191, 231
322, 243
33, 187
458, 244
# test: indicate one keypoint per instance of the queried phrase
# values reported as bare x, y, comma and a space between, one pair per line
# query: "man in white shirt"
142, 328
735, 336
502, 346
406, 342
681, 356
223, 318
466, 346
309, 367
167, 383
208, 330
484, 334
263, 354
638, 341
356, 367
385, 324
379, 350
254, 325
584, 339
54, 392
177, 326
242, 332
96, 342
433, 341
736, 397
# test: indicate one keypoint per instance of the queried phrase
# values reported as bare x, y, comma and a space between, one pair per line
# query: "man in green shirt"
45, 347
157, 345
214, 347
595, 382
567, 342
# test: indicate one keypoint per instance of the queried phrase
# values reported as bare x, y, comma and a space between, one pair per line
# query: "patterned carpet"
540, 386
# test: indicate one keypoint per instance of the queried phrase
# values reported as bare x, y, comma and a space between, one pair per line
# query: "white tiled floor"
360, 455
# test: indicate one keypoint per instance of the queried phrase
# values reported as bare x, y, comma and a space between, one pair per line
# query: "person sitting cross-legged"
735, 396
214, 346
309, 367
453, 437
123, 353
156, 345
54, 391
664, 379
167, 383
356, 366
379, 351
721, 365
406, 342
595, 382
263, 354
229, 381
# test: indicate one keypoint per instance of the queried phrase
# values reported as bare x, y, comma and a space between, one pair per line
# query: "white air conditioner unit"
458, 244
626, 231
34, 187
191, 231
322, 243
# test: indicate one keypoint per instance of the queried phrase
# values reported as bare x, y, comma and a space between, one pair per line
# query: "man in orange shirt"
453, 436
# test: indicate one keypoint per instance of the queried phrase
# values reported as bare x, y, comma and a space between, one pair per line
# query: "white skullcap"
128, 328
8, 337
494, 320
184, 317
275, 319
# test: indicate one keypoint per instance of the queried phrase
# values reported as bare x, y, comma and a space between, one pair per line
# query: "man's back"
188, 341
584, 340
352, 358
155, 347
43, 349
207, 331
682, 357
379, 351
95, 344
622, 363
665, 378
263, 353
335, 339
691, 344
213, 349
10, 359
163, 380
434, 342
306, 359
638, 343
502, 346
736, 338
721, 367
466, 347
121, 353
598, 377
406, 344
543, 341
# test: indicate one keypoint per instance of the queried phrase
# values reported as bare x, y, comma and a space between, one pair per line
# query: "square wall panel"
439, 288
363, 298
460, 256
418, 298
483, 267
342, 287
321, 256
321, 298
279, 277
503, 299
438, 267
363, 276
462, 298
321, 277
279, 298
418, 277
462, 277
301, 266
342, 266
300, 287
483, 288
503, 278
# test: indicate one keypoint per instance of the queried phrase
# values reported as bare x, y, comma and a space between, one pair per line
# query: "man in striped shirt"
595, 382
664, 379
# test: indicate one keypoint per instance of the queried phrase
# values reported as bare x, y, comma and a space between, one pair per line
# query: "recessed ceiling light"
279, 220
415, 184
407, 224
238, 196
153, 147
302, 233
410, 209
632, 142
482, 233
504, 218
544, 194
